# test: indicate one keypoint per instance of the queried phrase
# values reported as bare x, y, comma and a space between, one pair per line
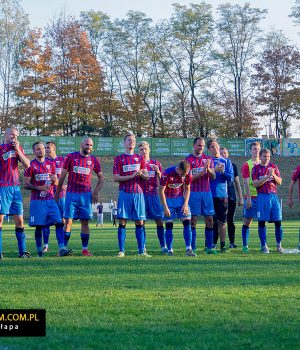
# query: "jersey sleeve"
116, 166
164, 179
296, 174
235, 171
67, 162
188, 179
97, 165
245, 171
143, 164
254, 174
28, 172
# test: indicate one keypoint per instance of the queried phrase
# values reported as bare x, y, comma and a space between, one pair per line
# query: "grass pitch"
230, 301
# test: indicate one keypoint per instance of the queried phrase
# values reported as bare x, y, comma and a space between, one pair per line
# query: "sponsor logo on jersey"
197, 170
9, 154
151, 173
131, 167
175, 185
58, 171
42, 177
81, 170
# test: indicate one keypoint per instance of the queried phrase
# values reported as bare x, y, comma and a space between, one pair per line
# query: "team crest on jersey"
48, 166
136, 159
57, 162
89, 162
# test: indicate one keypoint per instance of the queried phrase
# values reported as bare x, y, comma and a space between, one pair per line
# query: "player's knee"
169, 225
277, 224
262, 224
186, 222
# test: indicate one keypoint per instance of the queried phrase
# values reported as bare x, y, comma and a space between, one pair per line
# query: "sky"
277, 17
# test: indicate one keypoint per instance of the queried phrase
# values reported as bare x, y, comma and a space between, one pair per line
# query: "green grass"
231, 301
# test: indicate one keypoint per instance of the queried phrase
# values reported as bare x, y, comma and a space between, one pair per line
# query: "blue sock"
121, 237
193, 238
245, 235
139, 234
161, 236
209, 236
169, 236
59, 230
67, 236
46, 234
278, 234
85, 240
38, 238
262, 232
1, 240
21, 239
187, 233
144, 231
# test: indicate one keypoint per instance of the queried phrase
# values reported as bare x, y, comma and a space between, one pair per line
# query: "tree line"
190, 74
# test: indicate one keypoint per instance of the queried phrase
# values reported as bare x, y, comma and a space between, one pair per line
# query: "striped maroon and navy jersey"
59, 162
126, 165
80, 171
296, 177
39, 174
174, 183
260, 171
9, 173
151, 186
202, 184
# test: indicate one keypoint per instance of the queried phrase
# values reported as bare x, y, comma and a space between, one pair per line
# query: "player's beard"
86, 151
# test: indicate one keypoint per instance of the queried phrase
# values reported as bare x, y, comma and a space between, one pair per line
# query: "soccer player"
174, 193
79, 196
114, 213
129, 171
58, 161
154, 210
266, 178
11, 153
40, 178
294, 179
219, 188
250, 201
201, 201
99, 215
232, 187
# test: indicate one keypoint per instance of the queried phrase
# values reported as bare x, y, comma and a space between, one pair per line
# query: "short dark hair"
255, 143
51, 143
127, 135
209, 142
37, 143
199, 138
184, 165
263, 151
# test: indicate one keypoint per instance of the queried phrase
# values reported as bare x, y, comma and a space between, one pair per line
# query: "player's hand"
95, 197
185, 210
53, 178
207, 164
64, 187
15, 144
220, 167
134, 174
43, 188
167, 212
249, 203
240, 202
290, 203
270, 172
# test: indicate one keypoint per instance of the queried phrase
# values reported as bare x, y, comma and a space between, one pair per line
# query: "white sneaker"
279, 250
144, 255
265, 250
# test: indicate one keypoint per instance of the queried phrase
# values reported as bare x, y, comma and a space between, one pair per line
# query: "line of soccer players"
197, 186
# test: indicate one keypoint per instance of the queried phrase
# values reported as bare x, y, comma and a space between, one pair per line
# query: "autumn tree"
238, 38
13, 29
276, 82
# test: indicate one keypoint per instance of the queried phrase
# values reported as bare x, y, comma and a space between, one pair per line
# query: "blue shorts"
44, 213
175, 206
268, 207
11, 200
131, 206
154, 210
61, 205
201, 203
252, 212
78, 206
